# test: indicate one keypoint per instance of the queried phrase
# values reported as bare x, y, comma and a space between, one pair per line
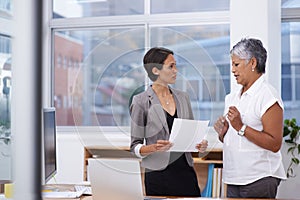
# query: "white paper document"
186, 134
62, 195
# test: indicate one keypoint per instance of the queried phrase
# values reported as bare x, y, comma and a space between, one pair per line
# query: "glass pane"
285, 70
177, 6
5, 8
96, 73
298, 88
5, 102
202, 55
290, 44
286, 89
290, 3
96, 8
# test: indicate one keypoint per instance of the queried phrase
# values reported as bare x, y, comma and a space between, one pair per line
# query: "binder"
208, 187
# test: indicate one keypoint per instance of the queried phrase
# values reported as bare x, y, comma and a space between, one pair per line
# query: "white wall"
260, 19
289, 189
70, 155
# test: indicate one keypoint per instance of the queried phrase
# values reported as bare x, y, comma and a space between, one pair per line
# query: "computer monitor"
49, 162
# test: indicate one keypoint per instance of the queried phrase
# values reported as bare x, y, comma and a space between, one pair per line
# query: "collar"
254, 87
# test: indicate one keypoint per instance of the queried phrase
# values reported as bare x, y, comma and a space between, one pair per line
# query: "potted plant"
291, 132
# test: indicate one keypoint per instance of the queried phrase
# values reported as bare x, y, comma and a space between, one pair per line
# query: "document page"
186, 134
62, 195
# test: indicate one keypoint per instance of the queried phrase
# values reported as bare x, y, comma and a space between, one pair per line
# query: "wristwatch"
242, 131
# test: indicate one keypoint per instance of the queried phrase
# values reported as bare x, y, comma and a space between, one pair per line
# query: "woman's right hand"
159, 146
221, 127
162, 145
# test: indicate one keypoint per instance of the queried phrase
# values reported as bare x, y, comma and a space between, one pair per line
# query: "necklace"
167, 99
164, 96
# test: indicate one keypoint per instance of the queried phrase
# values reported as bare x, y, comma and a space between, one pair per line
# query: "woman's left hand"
202, 146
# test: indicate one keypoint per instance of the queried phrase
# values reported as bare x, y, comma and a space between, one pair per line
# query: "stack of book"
214, 188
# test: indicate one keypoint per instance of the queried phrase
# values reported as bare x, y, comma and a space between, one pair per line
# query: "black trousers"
262, 188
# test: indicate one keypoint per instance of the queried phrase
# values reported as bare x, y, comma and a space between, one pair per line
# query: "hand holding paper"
186, 134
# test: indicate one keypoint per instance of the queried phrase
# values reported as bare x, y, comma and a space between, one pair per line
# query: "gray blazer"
149, 124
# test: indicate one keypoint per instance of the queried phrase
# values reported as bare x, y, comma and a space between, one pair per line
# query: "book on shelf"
215, 183
218, 187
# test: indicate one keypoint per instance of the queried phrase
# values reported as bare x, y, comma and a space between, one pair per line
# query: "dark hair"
248, 48
155, 57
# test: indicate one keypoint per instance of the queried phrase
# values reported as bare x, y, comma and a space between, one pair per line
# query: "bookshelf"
206, 166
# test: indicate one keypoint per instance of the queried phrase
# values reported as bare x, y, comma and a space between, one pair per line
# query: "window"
201, 51
5, 90
290, 80
5, 84
96, 8
109, 38
111, 70
290, 58
290, 4
178, 6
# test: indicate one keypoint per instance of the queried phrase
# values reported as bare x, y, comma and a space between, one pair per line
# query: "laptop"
115, 179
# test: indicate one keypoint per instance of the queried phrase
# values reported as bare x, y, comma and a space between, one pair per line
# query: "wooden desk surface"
69, 186
91, 198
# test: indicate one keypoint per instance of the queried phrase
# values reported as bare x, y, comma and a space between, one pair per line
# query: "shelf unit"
202, 161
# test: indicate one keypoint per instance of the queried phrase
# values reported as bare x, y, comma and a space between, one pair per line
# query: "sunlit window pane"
290, 70
96, 8
98, 90
202, 55
177, 6
5, 107
290, 3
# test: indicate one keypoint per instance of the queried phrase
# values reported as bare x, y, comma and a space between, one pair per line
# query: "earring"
252, 69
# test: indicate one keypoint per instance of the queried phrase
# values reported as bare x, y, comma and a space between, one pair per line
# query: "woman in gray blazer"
152, 114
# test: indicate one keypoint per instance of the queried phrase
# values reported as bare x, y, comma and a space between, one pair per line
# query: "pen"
223, 120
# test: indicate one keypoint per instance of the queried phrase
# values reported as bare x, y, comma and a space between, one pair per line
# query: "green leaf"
286, 121
285, 131
289, 141
291, 149
295, 160
298, 148
294, 134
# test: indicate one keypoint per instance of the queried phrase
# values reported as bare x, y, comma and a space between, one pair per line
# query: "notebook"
115, 179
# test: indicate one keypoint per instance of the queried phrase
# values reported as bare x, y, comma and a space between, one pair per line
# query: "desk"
71, 187
81, 198
91, 198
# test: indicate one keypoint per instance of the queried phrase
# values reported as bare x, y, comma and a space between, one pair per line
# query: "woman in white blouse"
251, 127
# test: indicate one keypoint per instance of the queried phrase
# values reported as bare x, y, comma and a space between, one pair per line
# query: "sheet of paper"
186, 134
62, 195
